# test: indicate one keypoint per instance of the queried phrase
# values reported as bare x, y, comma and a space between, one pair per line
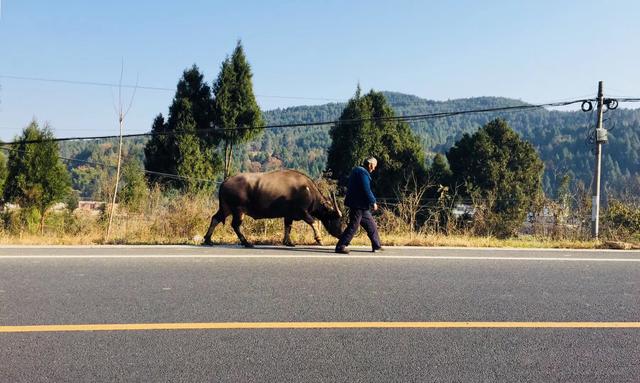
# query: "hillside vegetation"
559, 137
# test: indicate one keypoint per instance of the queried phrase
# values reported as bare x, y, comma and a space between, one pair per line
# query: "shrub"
502, 171
622, 220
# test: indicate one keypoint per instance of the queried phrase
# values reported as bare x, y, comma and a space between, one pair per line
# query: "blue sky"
312, 51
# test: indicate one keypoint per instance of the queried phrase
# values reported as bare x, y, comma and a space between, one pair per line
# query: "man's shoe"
342, 250
207, 242
377, 249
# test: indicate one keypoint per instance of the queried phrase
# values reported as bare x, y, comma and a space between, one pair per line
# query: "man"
360, 200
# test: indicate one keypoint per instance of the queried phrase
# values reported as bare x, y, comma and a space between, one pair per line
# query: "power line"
93, 83
155, 88
407, 118
628, 99
93, 163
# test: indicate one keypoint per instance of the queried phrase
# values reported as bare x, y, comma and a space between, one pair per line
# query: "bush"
183, 217
390, 223
12, 222
73, 201
134, 193
31, 219
18, 221
622, 220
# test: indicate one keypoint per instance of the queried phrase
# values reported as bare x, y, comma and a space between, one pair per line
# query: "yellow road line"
308, 325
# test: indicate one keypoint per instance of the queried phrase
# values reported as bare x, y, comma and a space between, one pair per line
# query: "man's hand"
375, 206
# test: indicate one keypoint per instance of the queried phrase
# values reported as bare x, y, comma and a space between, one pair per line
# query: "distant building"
90, 205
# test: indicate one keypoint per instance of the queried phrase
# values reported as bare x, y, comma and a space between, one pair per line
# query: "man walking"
360, 200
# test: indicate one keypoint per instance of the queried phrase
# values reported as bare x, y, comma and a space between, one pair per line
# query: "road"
185, 314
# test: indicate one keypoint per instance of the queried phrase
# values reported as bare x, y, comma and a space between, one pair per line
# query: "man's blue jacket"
359, 194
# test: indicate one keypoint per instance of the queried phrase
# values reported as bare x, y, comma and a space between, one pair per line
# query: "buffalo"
286, 194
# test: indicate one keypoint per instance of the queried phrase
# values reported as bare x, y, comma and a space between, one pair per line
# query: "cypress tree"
190, 114
192, 160
157, 152
193, 88
235, 108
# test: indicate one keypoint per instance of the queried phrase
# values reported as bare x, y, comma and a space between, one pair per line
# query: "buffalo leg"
217, 218
287, 232
235, 223
310, 221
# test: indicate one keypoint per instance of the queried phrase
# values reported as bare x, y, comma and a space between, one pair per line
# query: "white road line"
312, 256
275, 247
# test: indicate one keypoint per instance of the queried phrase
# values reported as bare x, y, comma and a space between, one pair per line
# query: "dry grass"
166, 229
183, 219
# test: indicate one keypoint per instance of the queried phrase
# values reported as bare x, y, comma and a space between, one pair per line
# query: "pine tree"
191, 114
158, 156
36, 178
193, 88
365, 129
192, 159
236, 110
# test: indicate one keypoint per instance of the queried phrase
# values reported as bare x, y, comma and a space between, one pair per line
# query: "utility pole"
600, 138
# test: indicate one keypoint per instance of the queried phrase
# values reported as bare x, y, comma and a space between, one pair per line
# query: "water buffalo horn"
335, 204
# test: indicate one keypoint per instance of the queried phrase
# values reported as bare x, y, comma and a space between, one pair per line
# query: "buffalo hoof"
207, 242
248, 245
289, 244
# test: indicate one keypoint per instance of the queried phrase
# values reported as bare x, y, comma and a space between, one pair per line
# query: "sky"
303, 53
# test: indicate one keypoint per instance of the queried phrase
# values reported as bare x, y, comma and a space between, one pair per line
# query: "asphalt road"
587, 293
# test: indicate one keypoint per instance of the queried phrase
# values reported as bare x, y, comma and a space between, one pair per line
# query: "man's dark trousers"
360, 217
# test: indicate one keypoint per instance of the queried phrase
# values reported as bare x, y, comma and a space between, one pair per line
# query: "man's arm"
366, 184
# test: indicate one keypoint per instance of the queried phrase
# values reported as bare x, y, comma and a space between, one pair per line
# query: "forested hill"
559, 137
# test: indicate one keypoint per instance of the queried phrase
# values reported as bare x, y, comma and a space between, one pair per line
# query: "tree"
365, 129
134, 191
3, 171
193, 88
439, 171
96, 182
235, 108
499, 167
158, 156
192, 157
36, 176
186, 133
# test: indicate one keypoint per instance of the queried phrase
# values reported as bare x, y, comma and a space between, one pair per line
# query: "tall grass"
183, 218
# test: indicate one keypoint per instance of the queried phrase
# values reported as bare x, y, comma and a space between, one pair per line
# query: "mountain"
560, 137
